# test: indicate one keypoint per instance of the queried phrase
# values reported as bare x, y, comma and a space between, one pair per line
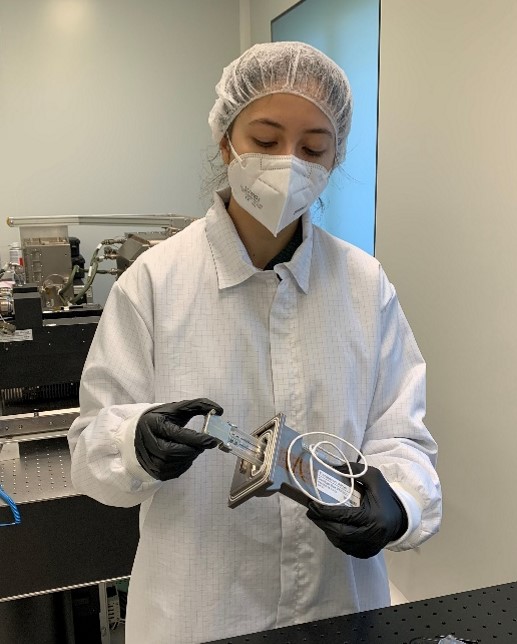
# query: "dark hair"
214, 175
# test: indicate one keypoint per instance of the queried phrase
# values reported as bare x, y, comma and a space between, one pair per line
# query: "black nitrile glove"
164, 447
364, 531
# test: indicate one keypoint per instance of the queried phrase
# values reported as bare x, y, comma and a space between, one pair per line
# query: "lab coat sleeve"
117, 386
396, 440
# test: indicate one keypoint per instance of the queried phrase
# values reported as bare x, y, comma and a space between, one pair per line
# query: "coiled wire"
14, 508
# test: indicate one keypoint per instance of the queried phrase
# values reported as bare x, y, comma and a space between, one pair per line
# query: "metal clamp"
234, 440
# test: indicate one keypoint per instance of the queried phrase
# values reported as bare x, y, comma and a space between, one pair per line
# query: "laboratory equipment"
48, 257
276, 458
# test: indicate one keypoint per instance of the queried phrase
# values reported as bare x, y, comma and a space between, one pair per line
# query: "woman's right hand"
164, 447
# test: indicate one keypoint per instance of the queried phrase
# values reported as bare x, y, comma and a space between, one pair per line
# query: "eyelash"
264, 144
269, 144
313, 153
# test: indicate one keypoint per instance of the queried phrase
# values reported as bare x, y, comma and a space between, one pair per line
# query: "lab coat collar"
232, 262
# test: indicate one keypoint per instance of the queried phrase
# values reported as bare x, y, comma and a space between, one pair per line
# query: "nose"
288, 147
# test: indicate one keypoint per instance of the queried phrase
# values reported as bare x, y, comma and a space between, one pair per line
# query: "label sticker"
18, 336
336, 489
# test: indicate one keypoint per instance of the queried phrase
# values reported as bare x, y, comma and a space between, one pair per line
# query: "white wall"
104, 106
446, 228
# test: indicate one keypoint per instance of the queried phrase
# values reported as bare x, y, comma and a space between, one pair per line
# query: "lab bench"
64, 541
484, 615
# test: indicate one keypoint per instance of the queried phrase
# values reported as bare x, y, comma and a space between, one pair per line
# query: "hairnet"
284, 67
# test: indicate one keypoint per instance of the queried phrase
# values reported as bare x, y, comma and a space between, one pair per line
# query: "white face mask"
275, 189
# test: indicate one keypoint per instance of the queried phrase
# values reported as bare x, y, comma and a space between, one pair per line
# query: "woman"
259, 310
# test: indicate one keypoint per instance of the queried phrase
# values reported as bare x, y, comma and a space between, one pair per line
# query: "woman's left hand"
365, 530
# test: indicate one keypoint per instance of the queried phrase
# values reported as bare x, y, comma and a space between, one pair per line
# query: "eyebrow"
279, 126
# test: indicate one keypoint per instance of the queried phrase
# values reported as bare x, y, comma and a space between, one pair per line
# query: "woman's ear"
225, 150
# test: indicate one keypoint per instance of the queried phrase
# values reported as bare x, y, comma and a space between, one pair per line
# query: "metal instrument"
48, 257
262, 468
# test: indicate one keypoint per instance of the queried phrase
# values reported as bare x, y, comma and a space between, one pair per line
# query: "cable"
314, 457
92, 271
68, 283
14, 508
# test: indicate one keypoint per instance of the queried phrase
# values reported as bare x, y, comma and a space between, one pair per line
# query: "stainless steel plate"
41, 473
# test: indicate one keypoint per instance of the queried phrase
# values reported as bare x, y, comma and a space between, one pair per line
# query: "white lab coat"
328, 345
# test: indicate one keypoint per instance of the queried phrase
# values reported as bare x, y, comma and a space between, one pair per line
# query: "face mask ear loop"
235, 155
